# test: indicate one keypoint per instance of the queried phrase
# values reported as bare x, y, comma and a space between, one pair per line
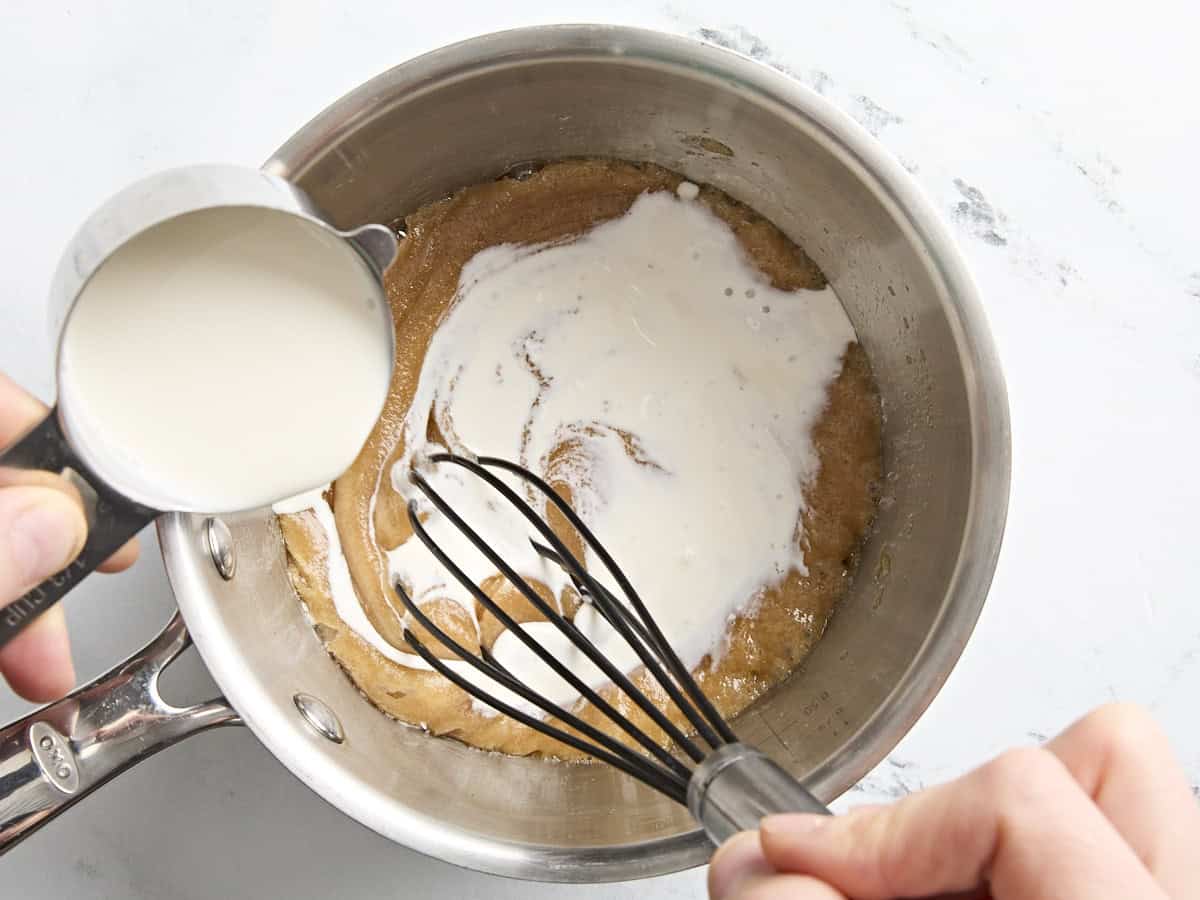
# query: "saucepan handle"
737, 786
57, 755
112, 519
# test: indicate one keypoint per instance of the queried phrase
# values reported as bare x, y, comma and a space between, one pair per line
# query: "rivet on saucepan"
220, 547
319, 717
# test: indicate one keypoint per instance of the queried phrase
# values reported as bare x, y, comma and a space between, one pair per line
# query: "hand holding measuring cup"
219, 346
42, 529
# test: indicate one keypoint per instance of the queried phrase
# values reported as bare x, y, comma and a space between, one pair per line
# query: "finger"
10, 477
122, 559
1020, 825
125, 557
37, 662
41, 531
785, 887
20, 411
736, 860
1124, 762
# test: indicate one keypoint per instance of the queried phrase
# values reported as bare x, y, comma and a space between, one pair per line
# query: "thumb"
41, 530
1019, 825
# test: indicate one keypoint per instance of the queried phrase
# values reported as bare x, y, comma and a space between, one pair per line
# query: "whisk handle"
736, 786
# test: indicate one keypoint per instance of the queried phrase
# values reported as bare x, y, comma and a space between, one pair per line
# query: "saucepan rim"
977, 551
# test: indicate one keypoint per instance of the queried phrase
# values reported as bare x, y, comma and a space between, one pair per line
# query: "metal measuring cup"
112, 516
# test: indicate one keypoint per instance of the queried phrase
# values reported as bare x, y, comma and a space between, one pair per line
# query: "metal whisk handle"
736, 786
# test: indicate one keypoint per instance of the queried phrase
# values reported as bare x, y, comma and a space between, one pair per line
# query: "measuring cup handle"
112, 519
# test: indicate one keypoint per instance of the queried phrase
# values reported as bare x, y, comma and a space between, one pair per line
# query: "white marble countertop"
1059, 138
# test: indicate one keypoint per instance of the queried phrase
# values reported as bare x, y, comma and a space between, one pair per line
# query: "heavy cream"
651, 367
224, 359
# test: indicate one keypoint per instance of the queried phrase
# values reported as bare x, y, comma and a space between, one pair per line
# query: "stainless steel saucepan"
468, 113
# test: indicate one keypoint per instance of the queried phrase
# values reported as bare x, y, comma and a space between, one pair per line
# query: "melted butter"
350, 611
774, 628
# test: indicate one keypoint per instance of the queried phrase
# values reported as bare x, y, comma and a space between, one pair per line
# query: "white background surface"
1078, 130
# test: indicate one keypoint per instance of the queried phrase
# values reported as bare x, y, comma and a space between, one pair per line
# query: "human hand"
1104, 810
42, 528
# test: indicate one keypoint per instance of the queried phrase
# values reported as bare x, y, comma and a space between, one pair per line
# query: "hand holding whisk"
726, 785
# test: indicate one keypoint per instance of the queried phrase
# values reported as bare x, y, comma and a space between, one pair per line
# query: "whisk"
726, 785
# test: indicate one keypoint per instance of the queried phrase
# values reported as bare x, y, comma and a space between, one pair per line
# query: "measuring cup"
119, 497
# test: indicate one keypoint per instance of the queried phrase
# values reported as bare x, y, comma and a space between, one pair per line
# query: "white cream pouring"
687, 388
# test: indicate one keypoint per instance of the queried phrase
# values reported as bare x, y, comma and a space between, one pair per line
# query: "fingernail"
45, 538
738, 858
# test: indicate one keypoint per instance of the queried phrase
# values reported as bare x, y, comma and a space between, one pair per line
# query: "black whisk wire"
567, 627
614, 753
701, 718
670, 657
609, 604
660, 770
519, 631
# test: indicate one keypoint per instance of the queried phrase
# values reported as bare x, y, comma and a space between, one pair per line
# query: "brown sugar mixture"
778, 626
